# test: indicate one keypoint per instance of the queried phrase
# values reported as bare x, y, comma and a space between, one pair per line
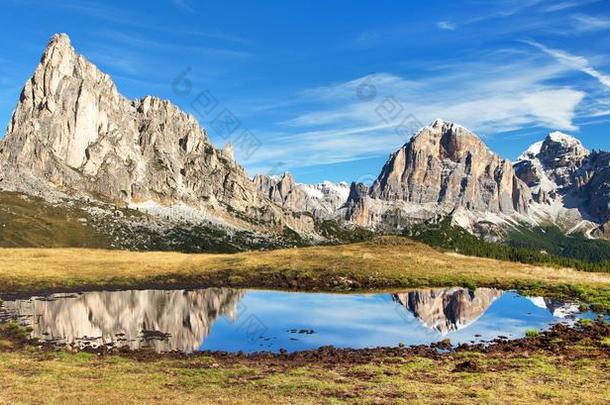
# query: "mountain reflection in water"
449, 309
250, 320
164, 320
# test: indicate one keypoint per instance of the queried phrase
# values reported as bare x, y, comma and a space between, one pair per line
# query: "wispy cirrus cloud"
117, 59
324, 146
482, 96
500, 10
217, 35
587, 23
510, 10
575, 62
337, 123
566, 5
446, 25
98, 11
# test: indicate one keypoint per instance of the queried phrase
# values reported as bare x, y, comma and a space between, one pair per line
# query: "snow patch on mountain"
531, 152
326, 190
565, 139
323, 200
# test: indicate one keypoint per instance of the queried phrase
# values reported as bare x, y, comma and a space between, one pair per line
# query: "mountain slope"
72, 134
75, 140
443, 169
570, 185
321, 200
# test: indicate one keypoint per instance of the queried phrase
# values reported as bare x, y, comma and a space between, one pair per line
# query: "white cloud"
555, 108
325, 146
575, 62
565, 5
484, 97
587, 23
446, 25
341, 122
602, 113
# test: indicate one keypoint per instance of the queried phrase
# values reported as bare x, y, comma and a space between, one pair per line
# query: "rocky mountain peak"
561, 150
322, 200
447, 310
73, 133
448, 165
442, 125
59, 53
59, 41
571, 184
447, 140
548, 166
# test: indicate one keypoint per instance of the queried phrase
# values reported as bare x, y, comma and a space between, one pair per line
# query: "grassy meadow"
385, 263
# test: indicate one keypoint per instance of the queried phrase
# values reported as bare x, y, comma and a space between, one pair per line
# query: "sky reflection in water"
250, 320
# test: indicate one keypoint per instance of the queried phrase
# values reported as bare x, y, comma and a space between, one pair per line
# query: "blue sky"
330, 89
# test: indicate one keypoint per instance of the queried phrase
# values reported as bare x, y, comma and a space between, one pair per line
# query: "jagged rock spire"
74, 133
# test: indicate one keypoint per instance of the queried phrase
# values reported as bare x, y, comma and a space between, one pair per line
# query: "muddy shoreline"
561, 340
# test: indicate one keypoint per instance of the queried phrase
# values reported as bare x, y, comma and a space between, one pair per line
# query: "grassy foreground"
384, 263
84, 378
558, 368
561, 366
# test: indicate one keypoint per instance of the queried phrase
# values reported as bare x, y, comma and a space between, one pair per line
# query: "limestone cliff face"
357, 207
449, 165
446, 167
548, 167
73, 133
570, 185
447, 310
164, 320
321, 200
593, 181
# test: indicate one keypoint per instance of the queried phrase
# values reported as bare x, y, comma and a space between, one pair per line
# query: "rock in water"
73, 134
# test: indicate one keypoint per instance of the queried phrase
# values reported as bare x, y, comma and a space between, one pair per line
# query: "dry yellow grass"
75, 379
385, 263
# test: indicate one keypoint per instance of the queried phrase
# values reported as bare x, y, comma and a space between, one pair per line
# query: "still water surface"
251, 320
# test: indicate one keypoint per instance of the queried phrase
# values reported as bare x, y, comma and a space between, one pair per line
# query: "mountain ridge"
444, 168
74, 136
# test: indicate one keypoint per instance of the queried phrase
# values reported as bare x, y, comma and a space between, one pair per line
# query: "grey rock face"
561, 156
593, 181
549, 167
73, 133
357, 207
561, 171
322, 200
448, 166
